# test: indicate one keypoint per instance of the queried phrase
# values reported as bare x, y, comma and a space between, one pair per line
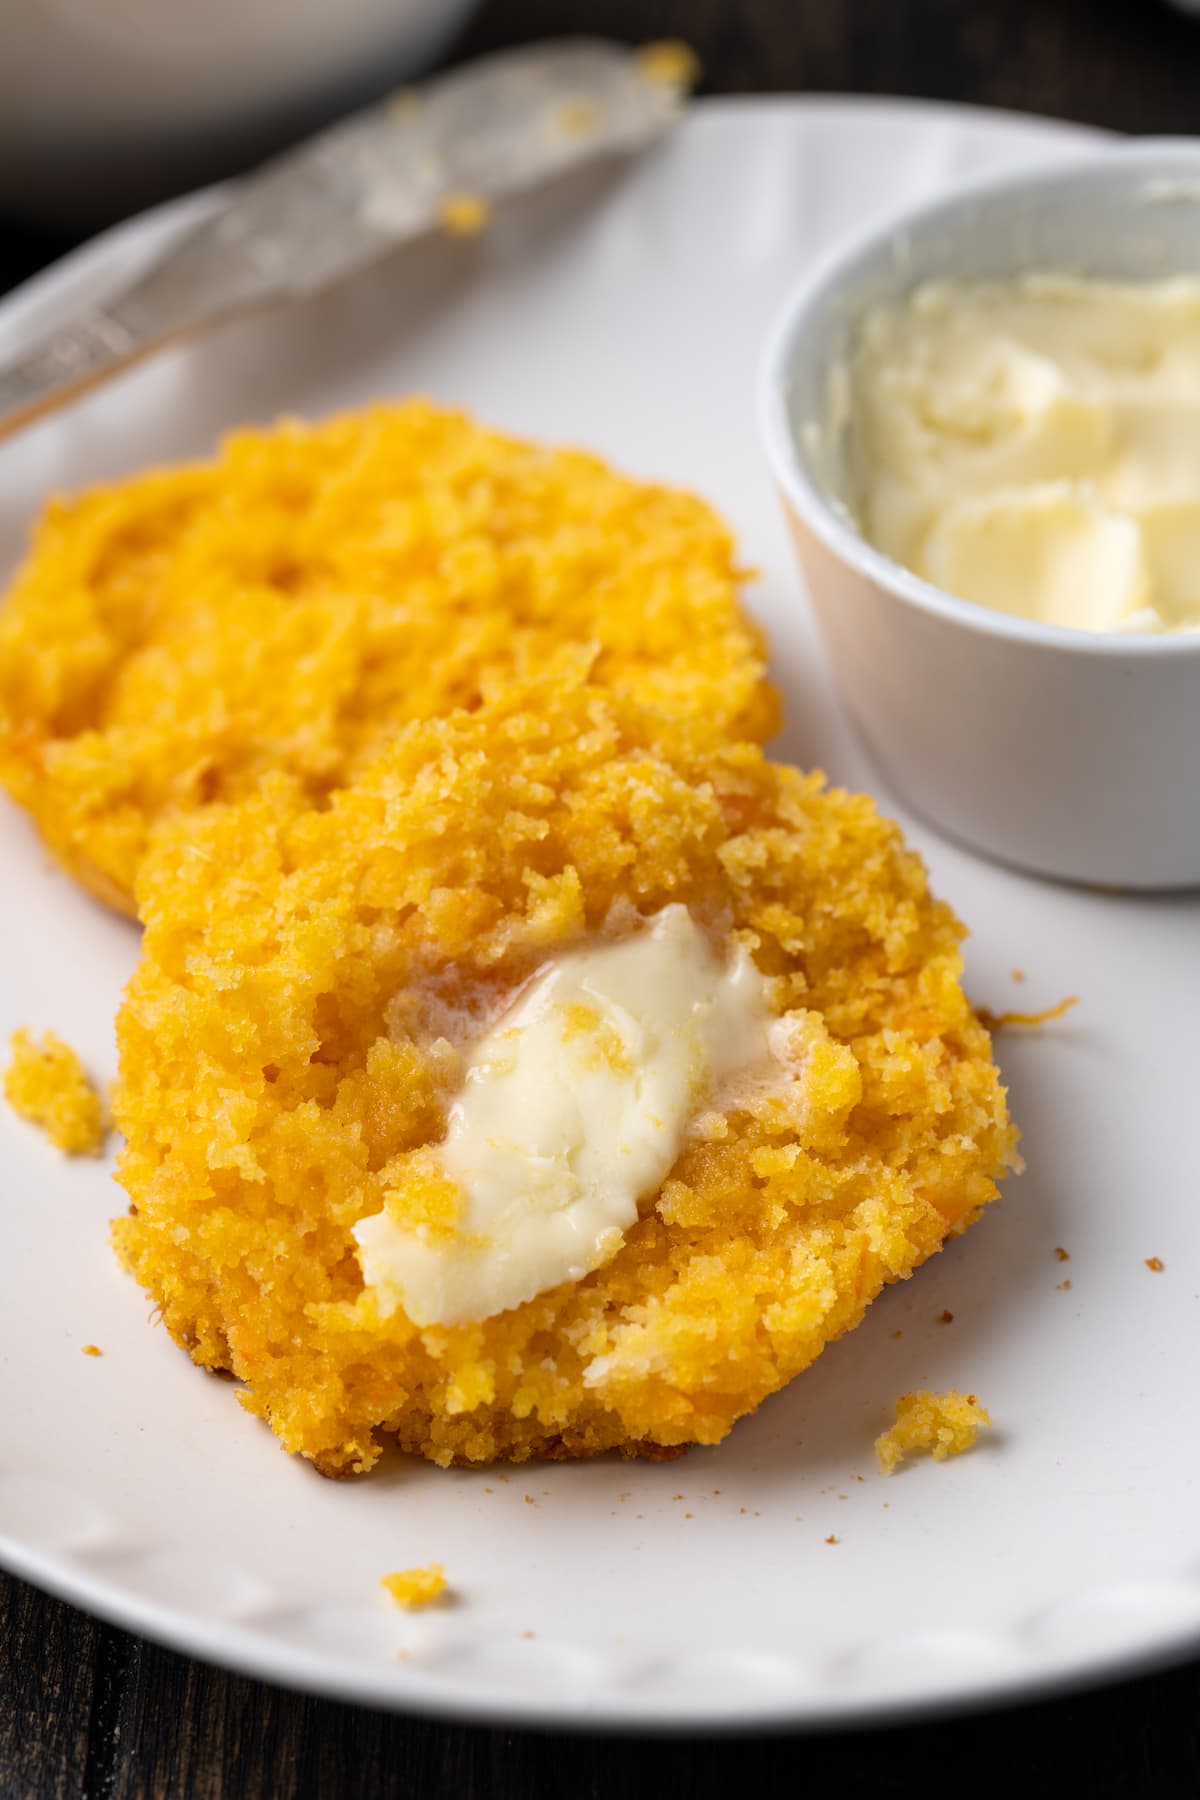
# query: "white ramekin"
1070, 753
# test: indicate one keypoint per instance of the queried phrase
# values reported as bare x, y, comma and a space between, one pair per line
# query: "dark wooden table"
86, 1709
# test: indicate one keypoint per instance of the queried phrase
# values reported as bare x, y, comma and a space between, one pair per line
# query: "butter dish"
1071, 753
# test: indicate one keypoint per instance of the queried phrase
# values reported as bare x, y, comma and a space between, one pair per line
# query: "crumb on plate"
669, 63
92, 1350
1000, 1021
464, 215
576, 118
46, 1084
1155, 1264
412, 1588
1061, 1254
942, 1424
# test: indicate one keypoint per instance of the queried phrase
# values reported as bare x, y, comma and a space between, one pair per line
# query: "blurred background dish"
105, 108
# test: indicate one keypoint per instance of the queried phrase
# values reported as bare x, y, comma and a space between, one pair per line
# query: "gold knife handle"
65, 364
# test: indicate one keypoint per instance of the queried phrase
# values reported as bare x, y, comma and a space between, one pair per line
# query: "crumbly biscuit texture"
47, 1084
939, 1425
293, 1035
413, 1588
175, 636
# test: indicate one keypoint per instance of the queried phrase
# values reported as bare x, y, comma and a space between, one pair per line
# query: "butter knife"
437, 155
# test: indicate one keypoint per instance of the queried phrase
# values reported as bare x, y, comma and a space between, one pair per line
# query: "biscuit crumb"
92, 1350
416, 1587
1064, 1287
999, 1021
1062, 1255
943, 1424
575, 118
47, 1085
1016, 975
670, 64
831, 1539
1156, 1264
464, 215
946, 1318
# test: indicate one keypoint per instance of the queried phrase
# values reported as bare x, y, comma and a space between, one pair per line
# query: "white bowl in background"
1069, 753
107, 105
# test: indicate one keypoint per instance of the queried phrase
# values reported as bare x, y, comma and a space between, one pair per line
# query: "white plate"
626, 314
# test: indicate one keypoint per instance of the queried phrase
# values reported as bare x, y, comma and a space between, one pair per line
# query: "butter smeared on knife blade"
346, 198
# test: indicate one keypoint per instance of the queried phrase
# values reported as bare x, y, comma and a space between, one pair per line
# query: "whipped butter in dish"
1033, 445
576, 1103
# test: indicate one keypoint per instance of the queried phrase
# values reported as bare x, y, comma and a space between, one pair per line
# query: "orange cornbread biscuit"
291, 1038
174, 637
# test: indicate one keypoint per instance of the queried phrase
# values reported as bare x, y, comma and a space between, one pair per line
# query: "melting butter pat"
575, 1105
1034, 446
